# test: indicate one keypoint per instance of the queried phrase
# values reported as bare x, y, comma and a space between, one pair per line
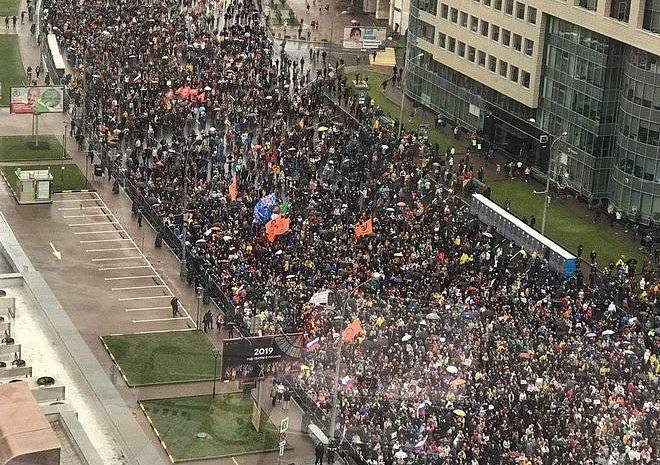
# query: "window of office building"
651, 21
444, 10
442, 40
461, 49
451, 44
514, 73
525, 79
508, 7
587, 4
498, 5
506, 37
531, 14
529, 47
453, 15
484, 28
474, 23
620, 9
504, 68
482, 58
520, 10
486, 2
430, 6
463, 19
495, 33
492, 63
517, 42
422, 29
471, 53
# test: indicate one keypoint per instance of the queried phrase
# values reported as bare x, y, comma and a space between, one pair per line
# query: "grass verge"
11, 71
21, 148
69, 178
392, 109
563, 225
158, 358
225, 420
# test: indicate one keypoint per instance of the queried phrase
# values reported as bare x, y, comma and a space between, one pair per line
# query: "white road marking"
133, 277
120, 229
235, 462
104, 240
125, 267
110, 250
123, 299
77, 208
144, 309
135, 288
114, 258
74, 200
94, 224
161, 319
87, 216
98, 232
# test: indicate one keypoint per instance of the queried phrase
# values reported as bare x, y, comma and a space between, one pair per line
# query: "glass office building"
515, 72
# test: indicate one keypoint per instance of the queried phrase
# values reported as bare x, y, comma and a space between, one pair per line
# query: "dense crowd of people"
468, 351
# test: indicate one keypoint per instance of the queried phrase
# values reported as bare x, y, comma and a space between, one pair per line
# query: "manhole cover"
202, 435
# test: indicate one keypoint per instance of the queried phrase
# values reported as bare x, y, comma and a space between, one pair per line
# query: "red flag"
277, 227
233, 189
364, 229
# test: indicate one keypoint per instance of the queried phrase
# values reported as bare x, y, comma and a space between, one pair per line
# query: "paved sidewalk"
330, 21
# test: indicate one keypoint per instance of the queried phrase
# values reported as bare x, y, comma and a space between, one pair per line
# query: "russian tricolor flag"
313, 344
420, 445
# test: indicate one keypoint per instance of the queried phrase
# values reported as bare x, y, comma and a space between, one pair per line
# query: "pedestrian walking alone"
175, 307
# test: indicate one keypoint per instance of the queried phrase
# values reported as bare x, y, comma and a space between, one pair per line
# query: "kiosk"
33, 186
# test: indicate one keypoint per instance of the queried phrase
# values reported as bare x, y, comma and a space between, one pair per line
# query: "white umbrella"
607, 332
432, 316
406, 338
452, 369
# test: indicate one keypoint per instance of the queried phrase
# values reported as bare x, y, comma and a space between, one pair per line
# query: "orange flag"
233, 188
277, 227
364, 229
352, 331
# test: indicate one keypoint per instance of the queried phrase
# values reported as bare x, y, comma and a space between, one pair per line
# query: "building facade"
518, 71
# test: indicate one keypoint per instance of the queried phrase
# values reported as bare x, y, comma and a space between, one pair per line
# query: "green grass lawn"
11, 69
392, 109
20, 148
10, 8
226, 420
169, 357
563, 225
68, 179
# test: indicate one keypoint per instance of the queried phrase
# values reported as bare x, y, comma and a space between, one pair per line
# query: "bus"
514, 229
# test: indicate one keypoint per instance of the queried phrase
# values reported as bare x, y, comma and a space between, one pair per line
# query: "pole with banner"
284, 427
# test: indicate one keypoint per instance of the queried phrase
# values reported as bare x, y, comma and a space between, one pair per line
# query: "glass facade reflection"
635, 180
581, 78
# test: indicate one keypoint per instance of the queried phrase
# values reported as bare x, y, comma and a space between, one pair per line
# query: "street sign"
282, 446
284, 425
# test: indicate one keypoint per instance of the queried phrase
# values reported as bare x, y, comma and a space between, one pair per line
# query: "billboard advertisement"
362, 37
37, 99
259, 356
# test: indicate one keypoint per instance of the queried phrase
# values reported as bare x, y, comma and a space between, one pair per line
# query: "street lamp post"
216, 353
332, 24
335, 380
404, 76
546, 194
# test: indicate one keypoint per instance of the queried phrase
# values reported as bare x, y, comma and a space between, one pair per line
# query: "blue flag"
264, 208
